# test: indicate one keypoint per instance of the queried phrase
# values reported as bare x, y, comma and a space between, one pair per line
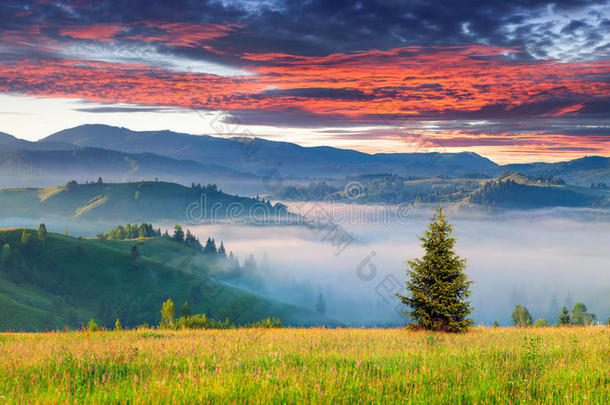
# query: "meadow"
484, 365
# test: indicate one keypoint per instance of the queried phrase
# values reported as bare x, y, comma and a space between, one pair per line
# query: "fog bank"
542, 259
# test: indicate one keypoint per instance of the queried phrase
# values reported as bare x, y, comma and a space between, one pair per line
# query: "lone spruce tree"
438, 288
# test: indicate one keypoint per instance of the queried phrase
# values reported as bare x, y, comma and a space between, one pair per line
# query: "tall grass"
501, 365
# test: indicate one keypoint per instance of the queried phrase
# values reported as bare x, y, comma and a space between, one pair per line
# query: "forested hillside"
53, 281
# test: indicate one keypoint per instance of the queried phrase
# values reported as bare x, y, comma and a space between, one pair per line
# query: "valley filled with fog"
542, 259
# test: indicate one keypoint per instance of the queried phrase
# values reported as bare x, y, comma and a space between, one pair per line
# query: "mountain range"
239, 164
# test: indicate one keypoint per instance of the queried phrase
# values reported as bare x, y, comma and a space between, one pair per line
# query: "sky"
515, 81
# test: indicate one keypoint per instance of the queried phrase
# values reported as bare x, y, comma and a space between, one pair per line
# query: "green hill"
65, 281
524, 192
509, 191
137, 201
579, 172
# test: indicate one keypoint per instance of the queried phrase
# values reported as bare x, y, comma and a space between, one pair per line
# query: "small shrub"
168, 312
269, 323
541, 323
531, 360
193, 322
92, 326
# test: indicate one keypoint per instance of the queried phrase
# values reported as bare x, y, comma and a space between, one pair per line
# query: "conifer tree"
438, 287
186, 310
564, 317
222, 251
321, 305
178, 234
210, 247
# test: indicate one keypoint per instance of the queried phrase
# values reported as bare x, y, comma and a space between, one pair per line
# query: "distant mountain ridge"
258, 156
52, 167
288, 161
11, 143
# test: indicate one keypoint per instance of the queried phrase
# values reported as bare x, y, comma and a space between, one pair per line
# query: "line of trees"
578, 316
210, 248
130, 231
187, 320
600, 186
145, 230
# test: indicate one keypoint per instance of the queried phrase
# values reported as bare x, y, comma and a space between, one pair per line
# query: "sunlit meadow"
491, 365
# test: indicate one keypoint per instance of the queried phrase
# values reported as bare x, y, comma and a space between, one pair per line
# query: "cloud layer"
317, 64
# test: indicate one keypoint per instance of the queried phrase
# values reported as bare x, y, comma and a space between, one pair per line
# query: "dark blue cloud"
321, 27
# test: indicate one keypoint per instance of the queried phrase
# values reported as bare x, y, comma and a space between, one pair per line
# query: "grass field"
502, 365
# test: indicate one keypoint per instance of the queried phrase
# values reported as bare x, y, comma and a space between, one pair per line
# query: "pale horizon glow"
33, 118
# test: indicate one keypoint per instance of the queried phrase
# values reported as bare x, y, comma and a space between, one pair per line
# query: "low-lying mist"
541, 259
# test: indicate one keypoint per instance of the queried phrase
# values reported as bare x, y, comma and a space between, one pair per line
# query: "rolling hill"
137, 201
578, 172
517, 191
512, 191
65, 281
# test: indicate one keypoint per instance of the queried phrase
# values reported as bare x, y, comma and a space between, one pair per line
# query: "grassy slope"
539, 195
137, 201
503, 365
392, 189
77, 274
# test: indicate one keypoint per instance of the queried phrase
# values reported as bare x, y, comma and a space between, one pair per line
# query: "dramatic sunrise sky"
515, 80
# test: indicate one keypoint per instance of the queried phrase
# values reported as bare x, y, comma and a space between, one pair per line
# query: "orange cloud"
504, 147
183, 34
173, 34
572, 109
410, 81
416, 80
98, 32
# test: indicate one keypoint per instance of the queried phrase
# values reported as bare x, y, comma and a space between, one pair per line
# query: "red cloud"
174, 34
411, 81
99, 32
182, 34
